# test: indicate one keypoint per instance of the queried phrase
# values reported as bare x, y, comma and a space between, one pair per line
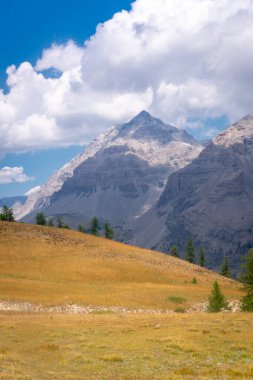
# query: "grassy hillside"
52, 266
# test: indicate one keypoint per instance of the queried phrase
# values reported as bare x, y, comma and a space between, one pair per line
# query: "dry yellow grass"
126, 347
51, 266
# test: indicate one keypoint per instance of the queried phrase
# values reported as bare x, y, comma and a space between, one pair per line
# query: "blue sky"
75, 68
28, 29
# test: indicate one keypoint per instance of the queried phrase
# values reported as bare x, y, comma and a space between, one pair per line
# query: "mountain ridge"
130, 161
210, 201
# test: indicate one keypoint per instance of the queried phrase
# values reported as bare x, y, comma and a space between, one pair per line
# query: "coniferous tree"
224, 270
50, 222
190, 251
41, 219
7, 214
202, 257
94, 226
217, 300
247, 278
174, 251
60, 223
81, 228
109, 233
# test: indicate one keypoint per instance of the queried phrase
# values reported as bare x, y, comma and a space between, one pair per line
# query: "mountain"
13, 202
210, 201
120, 175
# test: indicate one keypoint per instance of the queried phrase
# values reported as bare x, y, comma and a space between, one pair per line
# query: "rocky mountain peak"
144, 139
238, 133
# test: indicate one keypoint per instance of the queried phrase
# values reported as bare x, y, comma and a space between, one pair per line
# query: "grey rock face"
125, 176
210, 201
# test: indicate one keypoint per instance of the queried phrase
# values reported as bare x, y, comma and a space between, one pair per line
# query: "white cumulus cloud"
181, 60
13, 174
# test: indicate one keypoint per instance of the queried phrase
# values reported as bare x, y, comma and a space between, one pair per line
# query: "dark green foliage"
217, 300
177, 299
202, 258
180, 310
81, 228
247, 267
41, 219
224, 270
194, 280
109, 233
50, 222
247, 278
174, 251
61, 224
190, 251
7, 214
94, 226
247, 300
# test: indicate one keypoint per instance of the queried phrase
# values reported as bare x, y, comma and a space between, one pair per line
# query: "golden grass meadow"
48, 266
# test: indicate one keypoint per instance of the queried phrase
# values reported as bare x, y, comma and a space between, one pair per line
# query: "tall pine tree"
109, 233
94, 226
247, 278
202, 257
190, 251
224, 270
7, 214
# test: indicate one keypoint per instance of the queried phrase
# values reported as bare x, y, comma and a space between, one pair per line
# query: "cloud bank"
180, 60
13, 174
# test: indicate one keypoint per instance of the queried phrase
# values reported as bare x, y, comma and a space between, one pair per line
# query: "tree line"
217, 300
200, 258
94, 228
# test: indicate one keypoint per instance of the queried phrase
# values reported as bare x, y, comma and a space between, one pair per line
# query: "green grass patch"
177, 299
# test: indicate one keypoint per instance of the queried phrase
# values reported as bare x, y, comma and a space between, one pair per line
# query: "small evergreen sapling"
174, 251
216, 301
